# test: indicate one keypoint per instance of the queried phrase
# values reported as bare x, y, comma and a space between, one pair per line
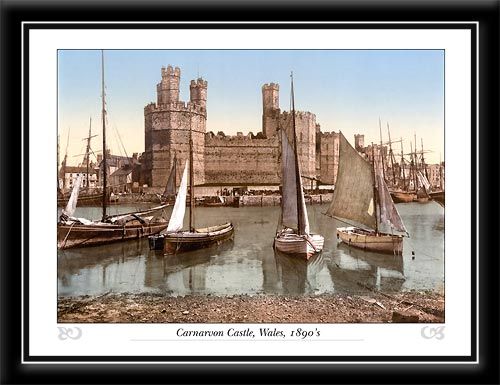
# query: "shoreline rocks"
421, 307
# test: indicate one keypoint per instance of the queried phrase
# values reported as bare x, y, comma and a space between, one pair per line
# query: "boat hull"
438, 196
361, 239
79, 235
303, 246
402, 197
87, 200
201, 238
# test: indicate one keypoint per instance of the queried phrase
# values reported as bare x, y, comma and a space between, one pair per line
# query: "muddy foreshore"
338, 308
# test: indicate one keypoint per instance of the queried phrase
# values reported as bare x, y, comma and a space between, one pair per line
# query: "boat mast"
423, 160
175, 173
191, 177
380, 151
391, 155
413, 166
87, 152
403, 165
297, 172
58, 188
104, 163
64, 162
374, 189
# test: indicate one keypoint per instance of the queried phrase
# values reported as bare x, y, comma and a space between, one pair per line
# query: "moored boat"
200, 238
293, 236
437, 196
77, 234
174, 239
81, 232
402, 196
361, 198
370, 240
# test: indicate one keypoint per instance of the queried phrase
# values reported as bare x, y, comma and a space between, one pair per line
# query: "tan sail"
353, 197
388, 219
289, 193
171, 183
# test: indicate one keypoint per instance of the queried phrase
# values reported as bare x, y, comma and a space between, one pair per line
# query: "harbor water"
248, 263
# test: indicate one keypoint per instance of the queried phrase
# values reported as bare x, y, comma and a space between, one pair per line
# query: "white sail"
423, 181
71, 206
177, 217
289, 215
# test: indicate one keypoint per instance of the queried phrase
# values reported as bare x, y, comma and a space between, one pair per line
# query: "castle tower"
270, 109
359, 142
168, 89
167, 127
198, 92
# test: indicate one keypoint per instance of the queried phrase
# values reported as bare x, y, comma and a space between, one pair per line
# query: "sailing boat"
424, 186
293, 235
87, 198
174, 239
80, 232
438, 195
361, 197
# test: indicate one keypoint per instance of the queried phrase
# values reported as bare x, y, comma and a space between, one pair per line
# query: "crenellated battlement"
170, 71
271, 86
175, 107
328, 135
200, 82
248, 140
299, 115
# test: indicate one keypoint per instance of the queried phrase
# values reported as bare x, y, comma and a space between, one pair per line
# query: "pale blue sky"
348, 90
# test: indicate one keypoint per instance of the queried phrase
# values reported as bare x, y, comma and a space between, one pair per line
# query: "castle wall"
305, 128
329, 157
241, 160
226, 160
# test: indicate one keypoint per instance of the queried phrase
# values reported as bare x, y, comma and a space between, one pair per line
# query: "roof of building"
122, 171
79, 169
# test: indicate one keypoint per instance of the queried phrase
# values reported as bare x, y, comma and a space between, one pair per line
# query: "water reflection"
358, 271
249, 264
183, 273
103, 266
296, 275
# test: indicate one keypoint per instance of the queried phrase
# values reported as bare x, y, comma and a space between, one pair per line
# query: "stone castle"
221, 160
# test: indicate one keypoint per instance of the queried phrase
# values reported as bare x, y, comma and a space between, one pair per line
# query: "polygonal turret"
198, 92
168, 89
270, 109
359, 142
270, 96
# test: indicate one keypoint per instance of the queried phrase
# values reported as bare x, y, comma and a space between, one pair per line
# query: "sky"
347, 90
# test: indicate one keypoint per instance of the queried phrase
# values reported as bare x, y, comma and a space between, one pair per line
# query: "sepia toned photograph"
250, 186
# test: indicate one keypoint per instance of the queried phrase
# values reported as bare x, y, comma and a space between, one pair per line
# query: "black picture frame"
388, 370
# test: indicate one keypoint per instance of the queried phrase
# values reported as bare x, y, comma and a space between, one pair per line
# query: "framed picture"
242, 194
